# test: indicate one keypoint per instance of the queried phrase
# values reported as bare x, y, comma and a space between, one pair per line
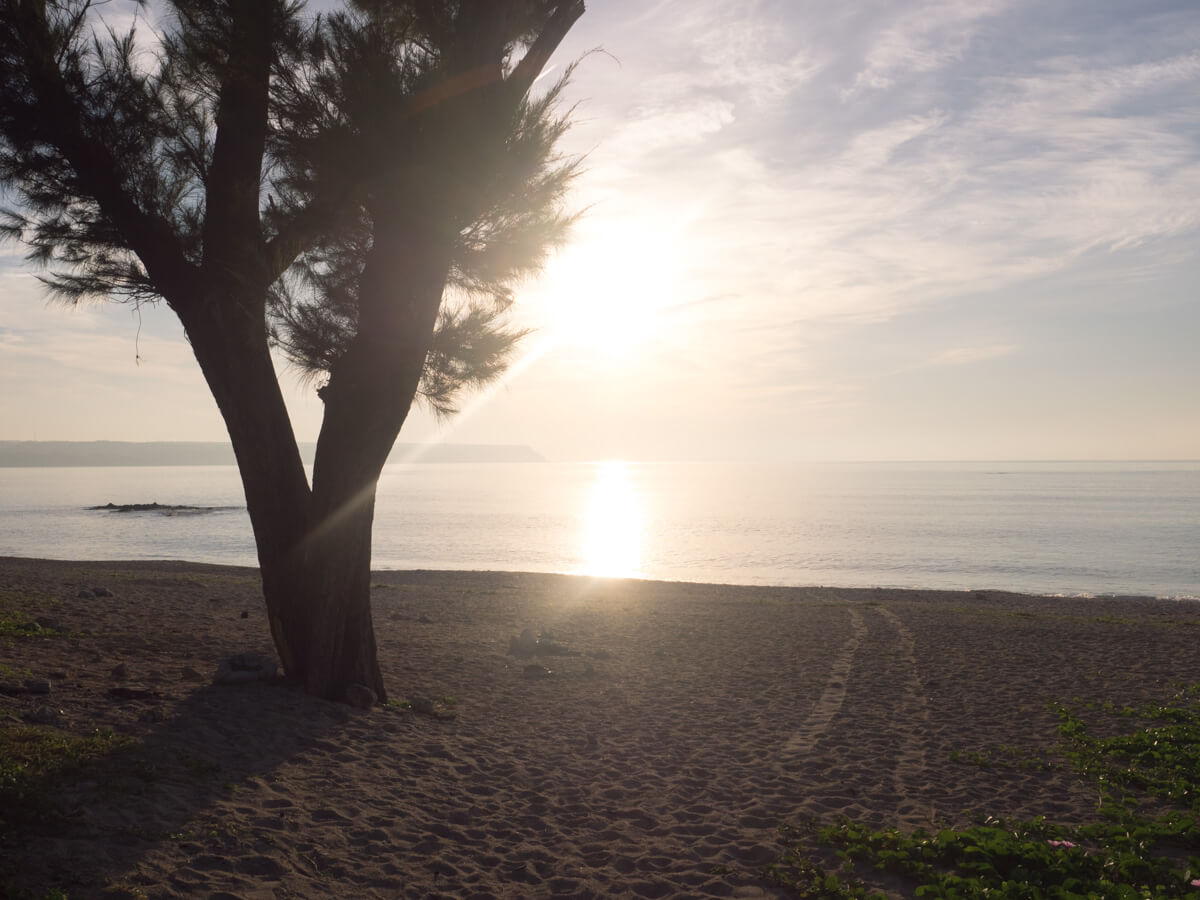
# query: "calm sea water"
1066, 528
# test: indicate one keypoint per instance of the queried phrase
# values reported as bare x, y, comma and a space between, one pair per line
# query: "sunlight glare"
613, 526
610, 294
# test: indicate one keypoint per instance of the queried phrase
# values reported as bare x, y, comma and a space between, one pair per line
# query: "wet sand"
659, 760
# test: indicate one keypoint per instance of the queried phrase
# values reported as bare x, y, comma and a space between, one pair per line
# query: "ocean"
1066, 528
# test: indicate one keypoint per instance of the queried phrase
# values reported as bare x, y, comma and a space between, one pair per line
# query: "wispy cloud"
960, 356
923, 37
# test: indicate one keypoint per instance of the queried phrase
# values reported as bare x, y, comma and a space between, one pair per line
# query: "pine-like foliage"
146, 117
409, 105
394, 113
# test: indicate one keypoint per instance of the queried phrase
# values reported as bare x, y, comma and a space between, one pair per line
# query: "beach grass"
1134, 850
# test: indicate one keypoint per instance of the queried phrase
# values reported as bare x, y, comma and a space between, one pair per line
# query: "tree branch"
235, 175
99, 174
525, 73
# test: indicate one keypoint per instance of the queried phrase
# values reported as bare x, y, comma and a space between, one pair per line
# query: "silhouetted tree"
362, 190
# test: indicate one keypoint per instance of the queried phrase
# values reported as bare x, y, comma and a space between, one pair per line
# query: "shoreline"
650, 580
697, 719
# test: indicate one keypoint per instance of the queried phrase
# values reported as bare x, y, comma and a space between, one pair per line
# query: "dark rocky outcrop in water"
164, 508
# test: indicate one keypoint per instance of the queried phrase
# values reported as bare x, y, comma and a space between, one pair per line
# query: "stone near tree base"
120, 672
360, 696
421, 705
132, 692
245, 668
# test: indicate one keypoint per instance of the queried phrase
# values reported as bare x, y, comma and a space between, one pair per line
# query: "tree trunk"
367, 399
339, 647
236, 362
316, 566
314, 546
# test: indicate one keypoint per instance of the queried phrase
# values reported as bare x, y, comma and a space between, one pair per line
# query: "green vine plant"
1146, 843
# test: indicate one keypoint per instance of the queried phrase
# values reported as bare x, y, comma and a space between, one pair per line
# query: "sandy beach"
658, 759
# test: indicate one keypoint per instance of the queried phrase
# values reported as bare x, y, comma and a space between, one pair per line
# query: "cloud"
963, 161
652, 135
960, 356
924, 37
88, 341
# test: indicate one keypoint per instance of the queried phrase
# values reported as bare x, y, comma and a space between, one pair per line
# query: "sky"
894, 230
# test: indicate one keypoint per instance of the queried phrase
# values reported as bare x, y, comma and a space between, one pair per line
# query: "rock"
524, 646
120, 672
37, 686
227, 675
85, 594
57, 676
245, 668
245, 613
49, 623
549, 648
527, 644
187, 673
11, 687
46, 715
101, 592
421, 705
132, 692
424, 619
360, 696
536, 671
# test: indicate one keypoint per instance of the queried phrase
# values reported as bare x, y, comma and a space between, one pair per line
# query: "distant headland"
202, 453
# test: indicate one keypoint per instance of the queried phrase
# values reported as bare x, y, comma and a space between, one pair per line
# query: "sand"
659, 762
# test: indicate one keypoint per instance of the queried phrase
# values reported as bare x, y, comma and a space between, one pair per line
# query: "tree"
362, 190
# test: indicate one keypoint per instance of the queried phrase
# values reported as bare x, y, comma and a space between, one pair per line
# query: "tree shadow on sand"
80, 813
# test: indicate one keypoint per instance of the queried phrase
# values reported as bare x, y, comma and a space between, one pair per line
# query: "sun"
609, 295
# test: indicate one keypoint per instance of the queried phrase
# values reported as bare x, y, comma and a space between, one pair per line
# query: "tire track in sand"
911, 762
834, 694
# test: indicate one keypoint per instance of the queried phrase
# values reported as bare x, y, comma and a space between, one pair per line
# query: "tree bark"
369, 395
315, 559
235, 359
314, 546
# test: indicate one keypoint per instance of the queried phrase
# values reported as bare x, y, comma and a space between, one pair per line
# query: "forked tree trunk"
314, 545
315, 569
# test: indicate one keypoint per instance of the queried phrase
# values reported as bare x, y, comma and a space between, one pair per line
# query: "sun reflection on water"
613, 524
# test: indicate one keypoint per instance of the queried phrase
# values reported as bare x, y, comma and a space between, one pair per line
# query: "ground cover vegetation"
360, 191
1145, 842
